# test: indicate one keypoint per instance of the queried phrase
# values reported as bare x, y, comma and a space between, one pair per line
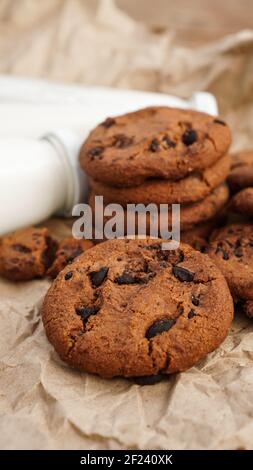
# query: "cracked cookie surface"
128, 308
155, 142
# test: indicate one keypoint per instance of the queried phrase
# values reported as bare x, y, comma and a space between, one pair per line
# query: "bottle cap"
204, 102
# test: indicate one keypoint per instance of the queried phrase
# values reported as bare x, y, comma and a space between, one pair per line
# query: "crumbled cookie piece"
26, 254
67, 251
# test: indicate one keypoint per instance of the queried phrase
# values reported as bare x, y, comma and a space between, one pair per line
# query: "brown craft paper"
43, 403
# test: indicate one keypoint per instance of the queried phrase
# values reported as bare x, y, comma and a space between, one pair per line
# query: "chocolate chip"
98, 277
191, 314
95, 152
86, 312
189, 137
122, 141
238, 243
169, 256
195, 300
154, 145
173, 256
109, 122
131, 278
169, 142
149, 379
183, 274
181, 256
68, 275
125, 278
159, 327
146, 268
219, 121
21, 248
220, 249
238, 252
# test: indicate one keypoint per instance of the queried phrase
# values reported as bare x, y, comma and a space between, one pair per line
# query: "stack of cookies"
240, 181
231, 247
161, 155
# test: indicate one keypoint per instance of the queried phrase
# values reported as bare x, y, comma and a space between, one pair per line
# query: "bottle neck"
67, 147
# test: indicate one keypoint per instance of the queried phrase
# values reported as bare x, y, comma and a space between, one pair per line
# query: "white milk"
39, 178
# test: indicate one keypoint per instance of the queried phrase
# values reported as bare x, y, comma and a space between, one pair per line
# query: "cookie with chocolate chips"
155, 142
198, 236
242, 202
231, 248
237, 229
241, 173
190, 214
192, 188
129, 308
26, 254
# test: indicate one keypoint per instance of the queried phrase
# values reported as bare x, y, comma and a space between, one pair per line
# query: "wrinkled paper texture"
43, 403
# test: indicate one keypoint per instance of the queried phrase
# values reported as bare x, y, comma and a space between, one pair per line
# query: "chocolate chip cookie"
67, 251
242, 202
198, 236
156, 142
241, 174
129, 308
193, 188
190, 214
26, 254
238, 230
231, 249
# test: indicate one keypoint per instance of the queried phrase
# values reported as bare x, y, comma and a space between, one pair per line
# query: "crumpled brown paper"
43, 403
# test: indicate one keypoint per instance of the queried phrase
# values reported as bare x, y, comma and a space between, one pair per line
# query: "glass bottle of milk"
39, 178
